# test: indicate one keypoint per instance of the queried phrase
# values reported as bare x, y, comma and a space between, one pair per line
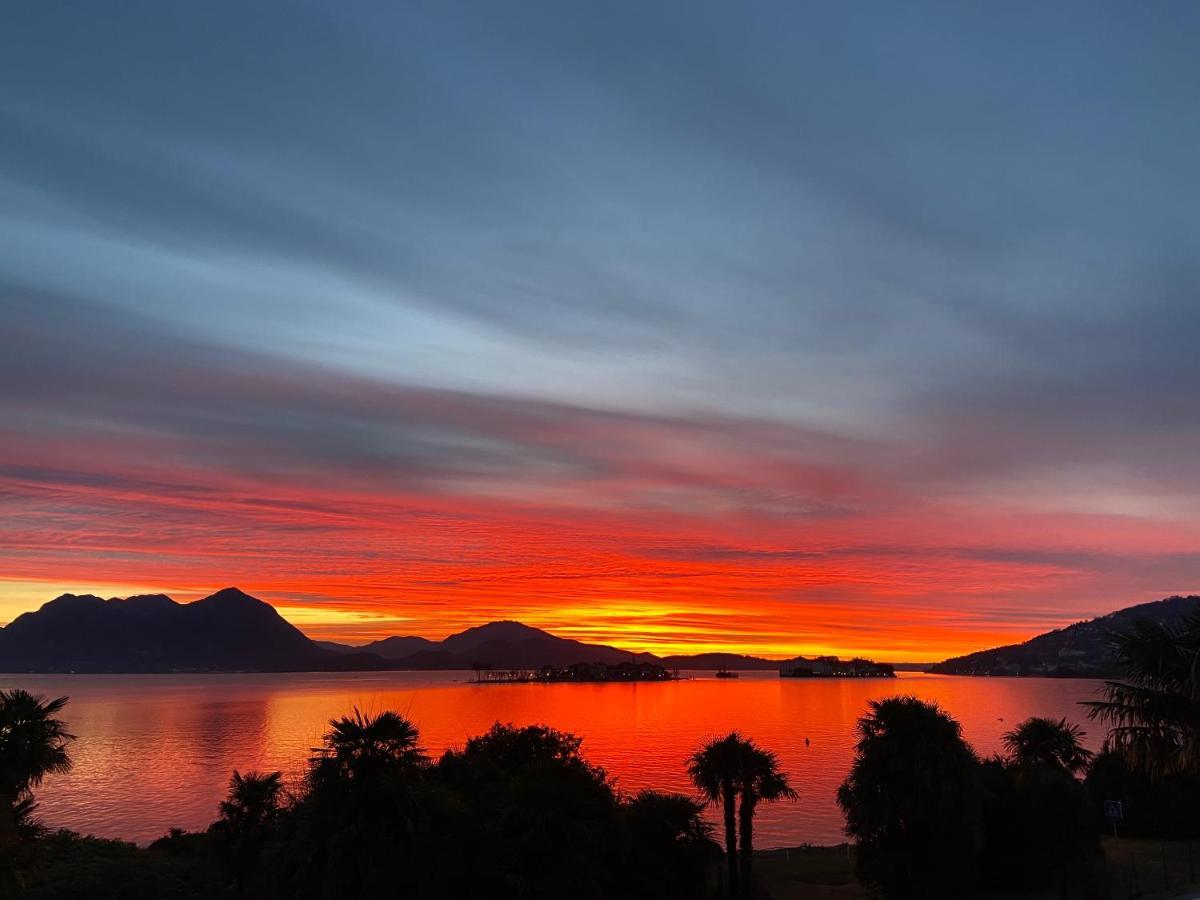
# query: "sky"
772, 327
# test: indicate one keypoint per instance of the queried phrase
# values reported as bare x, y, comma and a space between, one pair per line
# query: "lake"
156, 751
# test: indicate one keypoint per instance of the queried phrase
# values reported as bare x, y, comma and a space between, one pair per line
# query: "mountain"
397, 647
506, 631
1080, 650
734, 661
498, 645
336, 647
229, 631
232, 631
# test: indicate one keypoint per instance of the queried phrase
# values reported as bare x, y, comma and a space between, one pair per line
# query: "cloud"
755, 315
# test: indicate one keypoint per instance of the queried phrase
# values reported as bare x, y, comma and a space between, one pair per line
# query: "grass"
814, 873
1134, 869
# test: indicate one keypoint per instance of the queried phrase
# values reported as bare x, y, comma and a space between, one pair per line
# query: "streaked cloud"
772, 327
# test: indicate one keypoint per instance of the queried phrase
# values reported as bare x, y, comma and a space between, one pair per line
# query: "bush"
1162, 808
1038, 826
914, 801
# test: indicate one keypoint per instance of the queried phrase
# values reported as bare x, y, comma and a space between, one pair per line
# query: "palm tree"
253, 800
1154, 713
760, 780
913, 801
1044, 741
358, 746
715, 769
33, 742
251, 807
670, 846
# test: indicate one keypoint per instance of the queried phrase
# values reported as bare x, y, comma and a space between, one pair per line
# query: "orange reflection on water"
156, 752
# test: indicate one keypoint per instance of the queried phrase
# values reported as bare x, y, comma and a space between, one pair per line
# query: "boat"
726, 673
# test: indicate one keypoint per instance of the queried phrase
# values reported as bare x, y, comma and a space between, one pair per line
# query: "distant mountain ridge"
229, 630
504, 644
1081, 650
734, 661
232, 631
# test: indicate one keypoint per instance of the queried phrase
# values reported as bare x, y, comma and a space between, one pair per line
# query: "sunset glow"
724, 341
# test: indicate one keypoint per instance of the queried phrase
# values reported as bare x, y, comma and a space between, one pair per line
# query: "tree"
913, 800
1039, 825
518, 749
247, 817
715, 769
363, 812
33, 742
760, 780
1160, 807
253, 801
535, 819
1044, 741
359, 747
670, 847
1154, 713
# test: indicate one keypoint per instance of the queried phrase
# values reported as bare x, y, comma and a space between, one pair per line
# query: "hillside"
497, 645
1080, 650
733, 661
232, 631
228, 631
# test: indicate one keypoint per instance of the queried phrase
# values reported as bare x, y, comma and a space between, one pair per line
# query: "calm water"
156, 751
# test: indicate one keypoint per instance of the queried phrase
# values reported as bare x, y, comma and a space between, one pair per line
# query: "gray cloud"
859, 260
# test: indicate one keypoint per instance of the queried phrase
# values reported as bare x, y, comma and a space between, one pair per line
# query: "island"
832, 667
625, 671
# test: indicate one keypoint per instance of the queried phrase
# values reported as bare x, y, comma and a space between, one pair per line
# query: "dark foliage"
914, 801
1040, 741
1153, 807
33, 744
715, 769
934, 821
66, 866
1038, 826
671, 852
1153, 713
517, 813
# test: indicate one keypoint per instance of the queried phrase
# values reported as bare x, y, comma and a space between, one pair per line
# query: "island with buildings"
832, 667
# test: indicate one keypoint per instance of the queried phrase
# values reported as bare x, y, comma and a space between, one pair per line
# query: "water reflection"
157, 751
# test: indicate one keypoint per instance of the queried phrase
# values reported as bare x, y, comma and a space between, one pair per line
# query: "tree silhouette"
913, 800
716, 770
759, 781
540, 819
359, 746
1048, 742
671, 851
361, 810
247, 817
33, 742
1154, 713
253, 800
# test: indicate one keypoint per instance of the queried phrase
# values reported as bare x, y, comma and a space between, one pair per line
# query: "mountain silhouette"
734, 661
500, 645
397, 647
232, 631
505, 631
229, 630
1079, 650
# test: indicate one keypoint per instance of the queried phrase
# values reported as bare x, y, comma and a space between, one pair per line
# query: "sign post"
1114, 811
